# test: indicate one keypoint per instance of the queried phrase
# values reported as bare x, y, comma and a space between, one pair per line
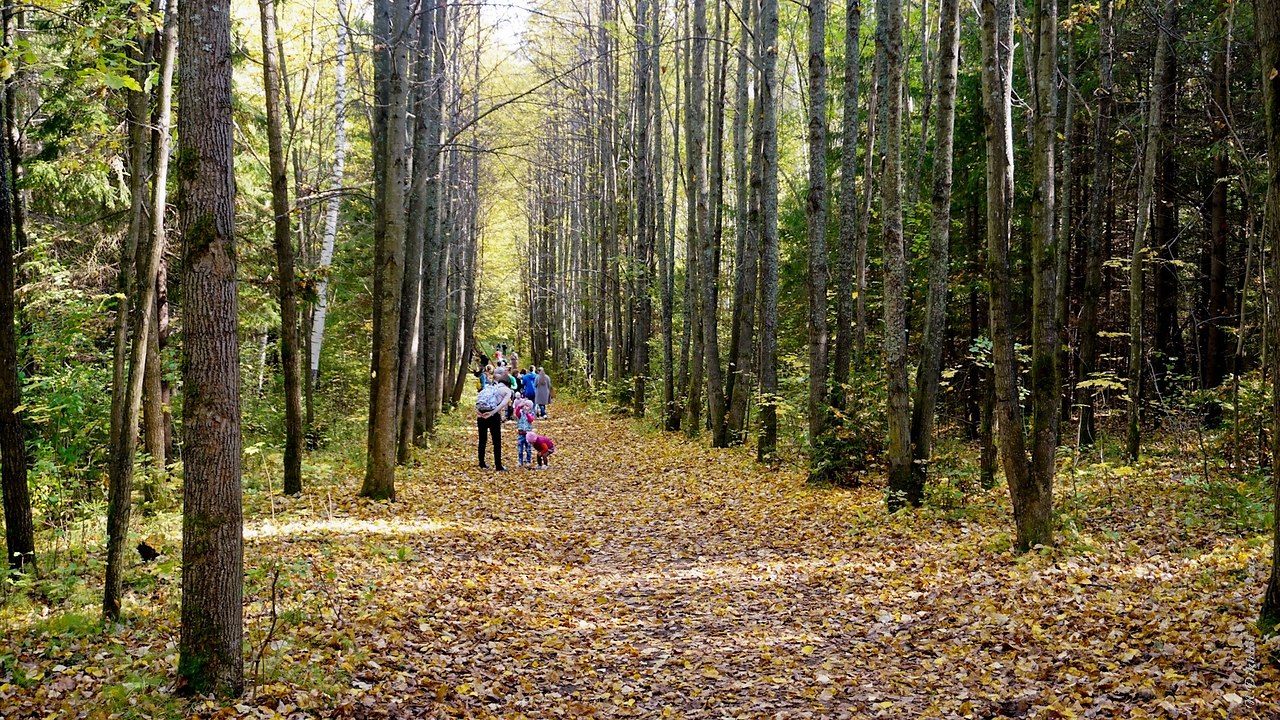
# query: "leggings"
493, 424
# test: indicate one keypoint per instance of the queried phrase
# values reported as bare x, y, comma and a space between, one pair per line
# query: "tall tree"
847, 244
290, 353
120, 488
211, 638
334, 201
767, 446
1033, 502
889, 38
1268, 29
929, 371
391, 32
747, 239
1137, 261
816, 222
19, 531
1095, 247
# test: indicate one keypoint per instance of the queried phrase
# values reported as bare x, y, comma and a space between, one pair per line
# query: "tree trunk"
19, 531
1033, 504
391, 32
710, 234
1218, 305
997, 74
1095, 248
283, 240
895, 263
816, 225
848, 243
864, 218
1268, 27
334, 202
929, 371
746, 230
696, 194
767, 446
210, 646
1137, 261
1066, 231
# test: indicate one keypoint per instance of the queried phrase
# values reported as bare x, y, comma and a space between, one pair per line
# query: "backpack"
489, 398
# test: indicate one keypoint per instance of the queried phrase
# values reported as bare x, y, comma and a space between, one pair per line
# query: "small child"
524, 427
543, 444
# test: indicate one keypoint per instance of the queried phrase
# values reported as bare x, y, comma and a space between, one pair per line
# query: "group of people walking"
521, 396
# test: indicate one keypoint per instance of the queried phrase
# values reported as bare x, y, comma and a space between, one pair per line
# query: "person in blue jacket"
528, 383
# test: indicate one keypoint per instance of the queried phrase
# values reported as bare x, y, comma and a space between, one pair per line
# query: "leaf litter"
645, 575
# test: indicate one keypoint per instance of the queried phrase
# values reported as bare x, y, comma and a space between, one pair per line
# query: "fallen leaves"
646, 576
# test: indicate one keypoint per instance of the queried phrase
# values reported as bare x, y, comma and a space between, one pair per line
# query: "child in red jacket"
541, 444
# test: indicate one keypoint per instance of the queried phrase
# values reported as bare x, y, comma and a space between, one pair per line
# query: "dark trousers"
491, 426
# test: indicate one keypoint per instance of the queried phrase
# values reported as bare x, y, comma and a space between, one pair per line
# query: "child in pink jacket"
541, 444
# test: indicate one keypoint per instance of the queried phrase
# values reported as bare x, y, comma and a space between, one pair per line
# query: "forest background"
864, 230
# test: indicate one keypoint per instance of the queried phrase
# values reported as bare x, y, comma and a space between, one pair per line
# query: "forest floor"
644, 575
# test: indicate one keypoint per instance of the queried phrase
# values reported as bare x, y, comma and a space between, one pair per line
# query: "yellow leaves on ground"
647, 576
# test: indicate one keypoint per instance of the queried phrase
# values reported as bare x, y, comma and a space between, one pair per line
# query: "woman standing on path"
542, 392
491, 406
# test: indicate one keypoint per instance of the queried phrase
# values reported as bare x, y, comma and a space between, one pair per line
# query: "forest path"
646, 575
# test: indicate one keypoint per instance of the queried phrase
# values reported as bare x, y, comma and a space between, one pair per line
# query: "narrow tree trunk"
334, 202
710, 207
1095, 248
747, 235
997, 76
864, 218
211, 639
290, 359
929, 371
696, 191
1137, 261
1065, 219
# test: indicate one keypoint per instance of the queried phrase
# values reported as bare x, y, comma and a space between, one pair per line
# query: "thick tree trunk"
847, 246
929, 371
1268, 27
19, 531
421, 233
290, 358
767, 446
392, 31
889, 37
816, 226
696, 194
210, 645
1217, 304
1033, 504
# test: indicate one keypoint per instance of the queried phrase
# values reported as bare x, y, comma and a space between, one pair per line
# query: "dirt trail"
643, 575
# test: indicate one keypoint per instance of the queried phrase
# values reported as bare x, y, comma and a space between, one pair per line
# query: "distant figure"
543, 445
529, 381
524, 426
542, 392
491, 405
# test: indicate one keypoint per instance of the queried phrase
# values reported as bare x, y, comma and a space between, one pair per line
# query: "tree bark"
895, 263
746, 231
290, 358
1095, 249
929, 371
816, 226
848, 242
210, 659
767, 445
19, 530
391, 32
334, 202
1137, 261
1267, 19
